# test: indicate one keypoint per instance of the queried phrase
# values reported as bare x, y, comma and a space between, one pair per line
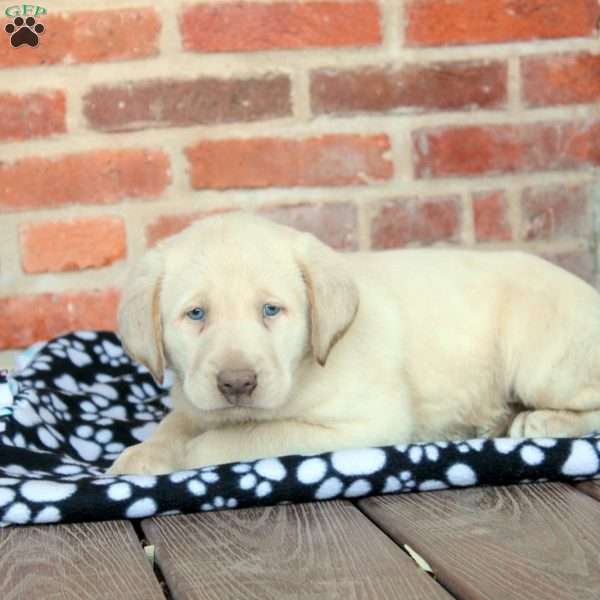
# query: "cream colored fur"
369, 349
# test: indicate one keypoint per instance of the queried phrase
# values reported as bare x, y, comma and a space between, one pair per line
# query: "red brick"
168, 225
89, 36
328, 160
579, 262
561, 79
34, 115
438, 86
100, 176
334, 224
71, 245
554, 212
40, 317
248, 26
449, 22
416, 221
491, 217
495, 149
168, 103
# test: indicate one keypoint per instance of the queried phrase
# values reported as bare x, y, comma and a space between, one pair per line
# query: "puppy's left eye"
270, 310
196, 314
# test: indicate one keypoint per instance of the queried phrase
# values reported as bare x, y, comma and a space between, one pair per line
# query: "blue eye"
270, 310
196, 314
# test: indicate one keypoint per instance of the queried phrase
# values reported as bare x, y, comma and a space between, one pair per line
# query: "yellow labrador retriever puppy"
280, 345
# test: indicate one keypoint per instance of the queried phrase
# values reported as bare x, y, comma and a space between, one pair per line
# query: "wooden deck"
534, 542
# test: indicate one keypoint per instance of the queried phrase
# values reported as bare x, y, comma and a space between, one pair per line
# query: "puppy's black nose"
234, 383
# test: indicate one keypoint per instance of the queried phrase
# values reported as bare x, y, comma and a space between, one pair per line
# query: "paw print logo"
24, 31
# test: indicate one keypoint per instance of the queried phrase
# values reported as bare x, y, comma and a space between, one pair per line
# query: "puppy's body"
417, 345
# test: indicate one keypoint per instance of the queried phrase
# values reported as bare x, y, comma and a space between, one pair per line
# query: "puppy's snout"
234, 383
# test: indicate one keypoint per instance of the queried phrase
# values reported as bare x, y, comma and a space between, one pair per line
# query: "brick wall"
374, 124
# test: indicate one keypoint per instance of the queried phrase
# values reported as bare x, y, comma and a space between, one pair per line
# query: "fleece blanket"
81, 400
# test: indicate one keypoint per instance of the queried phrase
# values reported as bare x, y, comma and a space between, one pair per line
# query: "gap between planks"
511, 543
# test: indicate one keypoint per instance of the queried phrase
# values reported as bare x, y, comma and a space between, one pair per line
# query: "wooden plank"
591, 488
322, 550
514, 542
79, 561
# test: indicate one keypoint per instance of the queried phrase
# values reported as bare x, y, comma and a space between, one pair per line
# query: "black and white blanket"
80, 401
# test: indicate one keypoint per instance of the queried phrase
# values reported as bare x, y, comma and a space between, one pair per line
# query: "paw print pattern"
470, 446
421, 452
80, 401
218, 503
39, 363
92, 443
73, 350
260, 476
24, 31
403, 482
111, 354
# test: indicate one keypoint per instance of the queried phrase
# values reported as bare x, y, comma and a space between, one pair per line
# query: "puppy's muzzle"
237, 385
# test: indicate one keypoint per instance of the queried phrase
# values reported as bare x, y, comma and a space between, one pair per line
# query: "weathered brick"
71, 245
334, 224
167, 103
495, 149
416, 221
554, 212
89, 36
329, 160
39, 317
561, 79
99, 176
449, 22
490, 211
415, 87
168, 225
579, 262
33, 115
248, 26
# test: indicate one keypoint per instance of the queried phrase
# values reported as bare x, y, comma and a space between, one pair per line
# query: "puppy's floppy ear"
139, 314
332, 295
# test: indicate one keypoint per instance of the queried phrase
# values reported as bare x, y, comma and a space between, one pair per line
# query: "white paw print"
19, 471
140, 393
94, 442
39, 363
219, 502
71, 349
197, 482
59, 347
470, 445
54, 410
259, 475
419, 452
110, 354
404, 482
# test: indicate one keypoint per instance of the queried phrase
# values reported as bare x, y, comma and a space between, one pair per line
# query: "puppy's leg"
555, 423
264, 439
163, 451
558, 378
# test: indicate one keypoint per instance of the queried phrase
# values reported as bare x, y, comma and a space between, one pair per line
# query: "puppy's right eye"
196, 314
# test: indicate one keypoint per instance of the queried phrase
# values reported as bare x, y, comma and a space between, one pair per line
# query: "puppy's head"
233, 304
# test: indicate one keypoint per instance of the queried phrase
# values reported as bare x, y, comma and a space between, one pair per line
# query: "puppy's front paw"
541, 423
144, 459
